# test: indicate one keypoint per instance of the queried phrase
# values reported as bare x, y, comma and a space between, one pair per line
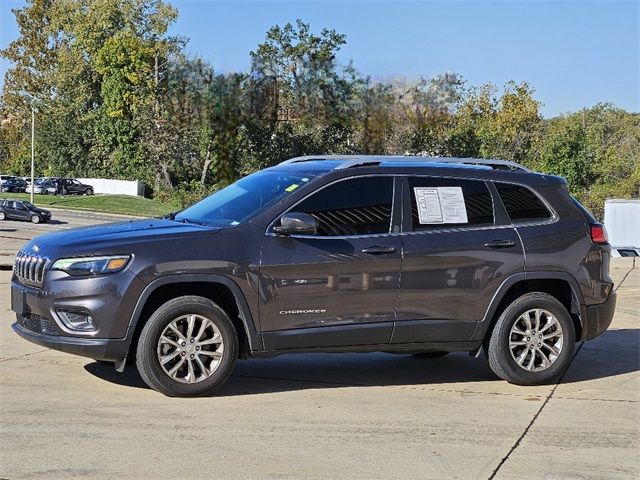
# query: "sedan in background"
22, 210
42, 186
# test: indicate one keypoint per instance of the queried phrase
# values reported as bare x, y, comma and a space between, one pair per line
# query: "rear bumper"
96, 348
597, 318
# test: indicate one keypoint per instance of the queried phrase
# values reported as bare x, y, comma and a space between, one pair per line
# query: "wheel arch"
218, 288
560, 285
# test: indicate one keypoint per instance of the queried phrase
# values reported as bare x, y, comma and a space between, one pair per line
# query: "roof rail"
366, 160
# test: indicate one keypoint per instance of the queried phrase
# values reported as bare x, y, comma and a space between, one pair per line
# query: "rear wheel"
2, 216
188, 347
533, 340
35, 218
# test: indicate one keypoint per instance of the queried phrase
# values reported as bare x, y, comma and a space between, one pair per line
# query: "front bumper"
597, 318
97, 348
108, 299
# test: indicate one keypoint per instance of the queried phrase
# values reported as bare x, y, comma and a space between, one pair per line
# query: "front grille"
30, 268
36, 324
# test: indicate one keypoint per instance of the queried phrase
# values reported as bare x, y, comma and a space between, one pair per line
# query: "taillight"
598, 233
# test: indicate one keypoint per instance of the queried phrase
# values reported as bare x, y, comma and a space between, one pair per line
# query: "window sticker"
440, 205
428, 202
291, 188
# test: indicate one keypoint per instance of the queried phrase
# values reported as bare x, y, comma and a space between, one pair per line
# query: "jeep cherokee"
333, 254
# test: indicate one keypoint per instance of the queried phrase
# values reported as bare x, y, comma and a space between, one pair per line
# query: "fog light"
78, 321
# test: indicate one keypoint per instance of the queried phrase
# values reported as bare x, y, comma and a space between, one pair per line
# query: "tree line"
117, 96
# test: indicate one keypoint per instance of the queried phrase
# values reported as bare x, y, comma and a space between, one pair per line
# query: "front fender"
254, 338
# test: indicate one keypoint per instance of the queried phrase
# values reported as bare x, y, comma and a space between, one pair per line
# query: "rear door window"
449, 202
522, 204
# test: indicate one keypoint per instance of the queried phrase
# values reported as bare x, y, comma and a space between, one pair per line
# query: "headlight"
91, 265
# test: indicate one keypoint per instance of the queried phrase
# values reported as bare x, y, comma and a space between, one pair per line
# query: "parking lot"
14, 234
336, 416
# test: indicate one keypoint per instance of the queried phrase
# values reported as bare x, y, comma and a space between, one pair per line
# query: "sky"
573, 53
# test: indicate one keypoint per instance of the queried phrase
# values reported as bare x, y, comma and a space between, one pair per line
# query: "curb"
76, 210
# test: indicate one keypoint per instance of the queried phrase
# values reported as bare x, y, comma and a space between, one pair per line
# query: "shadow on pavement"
614, 353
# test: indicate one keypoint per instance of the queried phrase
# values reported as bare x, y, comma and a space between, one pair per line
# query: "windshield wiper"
170, 216
195, 222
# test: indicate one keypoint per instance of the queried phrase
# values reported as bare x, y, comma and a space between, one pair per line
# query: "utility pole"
33, 146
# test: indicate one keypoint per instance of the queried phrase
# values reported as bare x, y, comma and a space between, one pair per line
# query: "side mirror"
293, 223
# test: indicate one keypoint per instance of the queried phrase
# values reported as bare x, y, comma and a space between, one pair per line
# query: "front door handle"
500, 244
378, 250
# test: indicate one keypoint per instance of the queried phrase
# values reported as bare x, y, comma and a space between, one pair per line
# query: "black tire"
65, 192
88, 191
147, 359
2, 216
35, 218
433, 354
499, 355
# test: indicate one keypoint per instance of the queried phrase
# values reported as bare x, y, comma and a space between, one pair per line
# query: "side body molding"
484, 325
254, 338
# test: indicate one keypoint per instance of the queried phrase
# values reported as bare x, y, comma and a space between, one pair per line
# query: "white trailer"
622, 221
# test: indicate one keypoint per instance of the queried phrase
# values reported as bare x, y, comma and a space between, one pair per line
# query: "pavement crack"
624, 278
535, 417
18, 357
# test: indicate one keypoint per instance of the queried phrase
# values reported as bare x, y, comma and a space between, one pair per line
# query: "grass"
122, 204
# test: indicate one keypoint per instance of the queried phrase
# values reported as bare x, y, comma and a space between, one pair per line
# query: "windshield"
244, 199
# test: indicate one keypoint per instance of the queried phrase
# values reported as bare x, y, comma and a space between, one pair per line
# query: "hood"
112, 237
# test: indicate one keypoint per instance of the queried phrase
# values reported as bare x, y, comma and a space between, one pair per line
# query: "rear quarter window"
522, 204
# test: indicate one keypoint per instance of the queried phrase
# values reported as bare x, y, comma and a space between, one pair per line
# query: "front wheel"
532, 342
35, 218
188, 347
2, 216
88, 192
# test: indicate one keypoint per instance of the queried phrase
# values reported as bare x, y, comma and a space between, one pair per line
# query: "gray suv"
411, 255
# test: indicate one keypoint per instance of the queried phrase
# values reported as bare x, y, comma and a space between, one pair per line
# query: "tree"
596, 150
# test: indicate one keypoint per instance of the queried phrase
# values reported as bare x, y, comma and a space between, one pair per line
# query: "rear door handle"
500, 244
378, 250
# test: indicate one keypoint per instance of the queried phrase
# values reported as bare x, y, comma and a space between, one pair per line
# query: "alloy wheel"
535, 340
190, 348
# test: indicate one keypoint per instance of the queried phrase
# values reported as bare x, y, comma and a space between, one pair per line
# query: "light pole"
33, 146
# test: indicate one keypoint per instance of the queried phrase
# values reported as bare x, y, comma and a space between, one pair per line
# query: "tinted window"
521, 203
478, 204
358, 206
244, 199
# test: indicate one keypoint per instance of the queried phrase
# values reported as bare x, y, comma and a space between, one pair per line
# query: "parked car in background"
16, 185
71, 186
41, 186
11, 209
4, 178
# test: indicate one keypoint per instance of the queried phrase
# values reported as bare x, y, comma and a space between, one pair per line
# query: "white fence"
117, 187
